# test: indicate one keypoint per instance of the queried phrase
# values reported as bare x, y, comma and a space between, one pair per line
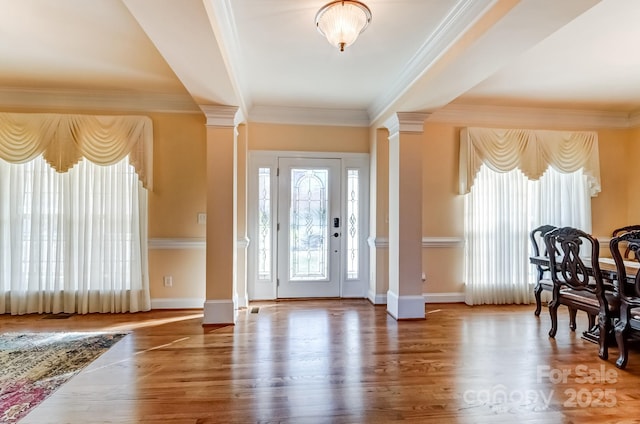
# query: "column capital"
406, 122
221, 116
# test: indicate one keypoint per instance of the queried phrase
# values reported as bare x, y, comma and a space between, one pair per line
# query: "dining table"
609, 272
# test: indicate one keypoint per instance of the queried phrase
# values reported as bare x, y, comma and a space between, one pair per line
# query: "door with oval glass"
309, 227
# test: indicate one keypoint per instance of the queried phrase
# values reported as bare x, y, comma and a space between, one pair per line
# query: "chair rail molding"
178, 243
383, 242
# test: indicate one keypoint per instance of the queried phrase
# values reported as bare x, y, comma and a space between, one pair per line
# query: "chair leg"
572, 318
553, 313
536, 292
604, 323
622, 330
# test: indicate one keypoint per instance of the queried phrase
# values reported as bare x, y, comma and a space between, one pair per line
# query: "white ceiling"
266, 57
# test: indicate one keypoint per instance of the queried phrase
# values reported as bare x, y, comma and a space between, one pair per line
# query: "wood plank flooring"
341, 361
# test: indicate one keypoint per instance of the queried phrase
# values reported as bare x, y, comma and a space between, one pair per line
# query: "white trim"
177, 243
442, 242
243, 243
405, 122
220, 116
267, 289
383, 242
219, 312
177, 303
461, 16
405, 307
223, 24
443, 297
241, 302
524, 116
111, 100
309, 116
376, 299
392, 124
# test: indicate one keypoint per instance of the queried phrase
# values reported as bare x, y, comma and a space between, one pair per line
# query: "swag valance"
531, 151
65, 139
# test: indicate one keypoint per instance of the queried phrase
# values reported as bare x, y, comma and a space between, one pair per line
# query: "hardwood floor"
341, 361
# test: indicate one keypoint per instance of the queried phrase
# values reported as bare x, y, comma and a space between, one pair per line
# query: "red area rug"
34, 365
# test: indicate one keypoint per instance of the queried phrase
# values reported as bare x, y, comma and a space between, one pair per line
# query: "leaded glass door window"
310, 228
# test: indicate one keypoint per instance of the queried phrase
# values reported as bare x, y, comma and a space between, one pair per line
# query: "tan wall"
308, 138
187, 268
180, 188
179, 173
633, 192
609, 210
443, 207
179, 194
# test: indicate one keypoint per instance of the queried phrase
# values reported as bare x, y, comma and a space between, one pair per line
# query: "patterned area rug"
34, 365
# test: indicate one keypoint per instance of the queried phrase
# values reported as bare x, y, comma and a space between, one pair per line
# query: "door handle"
336, 234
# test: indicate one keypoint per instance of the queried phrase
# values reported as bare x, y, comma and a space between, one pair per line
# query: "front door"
309, 228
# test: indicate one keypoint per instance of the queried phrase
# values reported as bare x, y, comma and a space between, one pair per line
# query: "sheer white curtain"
74, 241
513, 181
500, 211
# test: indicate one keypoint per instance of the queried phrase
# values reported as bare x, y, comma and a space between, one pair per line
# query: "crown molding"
309, 116
224, 27
457, 21
412, 122
523, 116
99, 100
221, 116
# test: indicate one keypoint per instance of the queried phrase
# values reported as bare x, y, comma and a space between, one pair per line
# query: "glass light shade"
342, 21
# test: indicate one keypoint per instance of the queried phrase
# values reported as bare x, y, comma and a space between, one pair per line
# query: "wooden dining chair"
539, 249
579, 286
619, 231
628, 326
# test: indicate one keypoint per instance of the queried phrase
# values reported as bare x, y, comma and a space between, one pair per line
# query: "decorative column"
242, 295
404, 298
379, 217
220, 304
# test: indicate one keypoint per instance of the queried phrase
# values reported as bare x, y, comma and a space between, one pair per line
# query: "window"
500, 210
74, 241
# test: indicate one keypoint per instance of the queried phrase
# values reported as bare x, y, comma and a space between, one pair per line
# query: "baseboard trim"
405, 307
377, 299
219, 311
178, 303
443, 297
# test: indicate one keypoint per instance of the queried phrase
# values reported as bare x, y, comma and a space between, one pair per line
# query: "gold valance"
531, 151
65, 139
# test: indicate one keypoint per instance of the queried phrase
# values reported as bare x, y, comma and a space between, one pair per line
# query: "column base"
405, 307
219, 312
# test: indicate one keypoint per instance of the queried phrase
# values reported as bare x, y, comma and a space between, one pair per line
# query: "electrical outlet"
424, 277
168, 281
202, 218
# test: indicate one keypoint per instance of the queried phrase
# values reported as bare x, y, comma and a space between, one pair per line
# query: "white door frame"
263, 285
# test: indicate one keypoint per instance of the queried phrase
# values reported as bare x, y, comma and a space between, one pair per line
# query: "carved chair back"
538, 245
568, 269
632, 241
619, 231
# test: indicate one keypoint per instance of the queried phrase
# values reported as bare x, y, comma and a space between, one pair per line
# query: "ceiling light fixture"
342, 21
